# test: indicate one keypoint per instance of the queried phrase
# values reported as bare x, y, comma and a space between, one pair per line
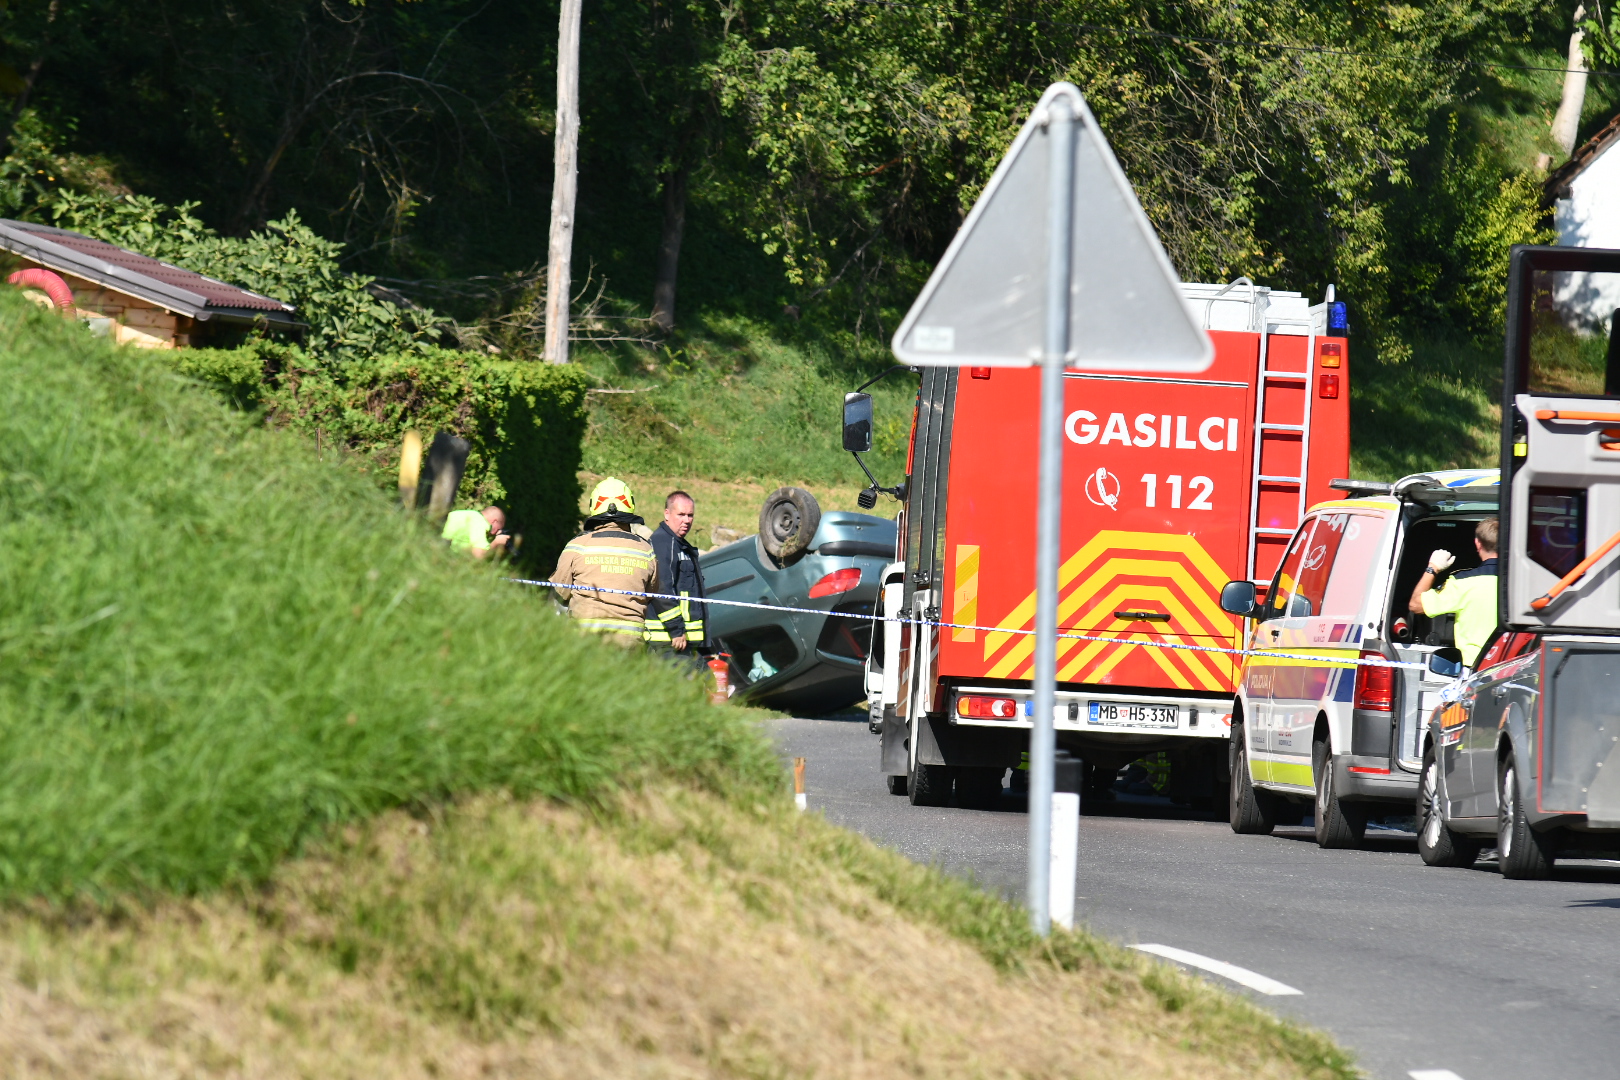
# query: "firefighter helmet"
612, 494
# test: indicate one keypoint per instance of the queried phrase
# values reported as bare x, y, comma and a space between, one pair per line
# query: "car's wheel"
1250, 810
1522, 853
897, 785
929, 785
787, 523
1338, 825
1437, 844
979, 788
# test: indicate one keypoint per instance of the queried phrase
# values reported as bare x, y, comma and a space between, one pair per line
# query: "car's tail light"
1375, 686
975, 707
836, 582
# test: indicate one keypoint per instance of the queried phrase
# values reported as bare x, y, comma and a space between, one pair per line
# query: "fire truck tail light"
1327, 386
975, 707
839, 581
979, 372
1375, 686
1331, 353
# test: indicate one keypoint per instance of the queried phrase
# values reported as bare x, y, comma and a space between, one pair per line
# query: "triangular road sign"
984, 305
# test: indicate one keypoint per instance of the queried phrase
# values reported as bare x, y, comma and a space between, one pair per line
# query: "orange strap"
1576, 574
1561, 414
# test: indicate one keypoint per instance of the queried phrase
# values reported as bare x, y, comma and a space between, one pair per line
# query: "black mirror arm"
883, 375
875, 487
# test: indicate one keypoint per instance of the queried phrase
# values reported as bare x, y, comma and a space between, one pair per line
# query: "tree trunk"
669, 249
564, 183
1567, 123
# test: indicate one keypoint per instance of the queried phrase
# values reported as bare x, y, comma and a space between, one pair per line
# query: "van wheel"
1522, 853
1437, 844
787, 523
1338, 825
897, 785
1251, 811
929, 785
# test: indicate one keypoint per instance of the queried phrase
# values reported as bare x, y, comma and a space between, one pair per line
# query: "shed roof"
1558, 181
164, 284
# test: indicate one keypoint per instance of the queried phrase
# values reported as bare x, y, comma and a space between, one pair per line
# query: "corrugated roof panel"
218, 293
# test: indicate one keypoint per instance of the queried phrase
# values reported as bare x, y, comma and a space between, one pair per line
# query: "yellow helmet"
612, 494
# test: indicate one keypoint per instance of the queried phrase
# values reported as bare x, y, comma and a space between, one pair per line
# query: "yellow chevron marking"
1166, 597
1116, 539
965, 604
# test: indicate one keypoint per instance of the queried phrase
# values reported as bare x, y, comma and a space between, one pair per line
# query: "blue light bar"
1338, 319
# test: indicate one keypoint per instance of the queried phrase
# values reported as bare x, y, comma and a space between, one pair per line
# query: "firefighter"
678, 624
607, 555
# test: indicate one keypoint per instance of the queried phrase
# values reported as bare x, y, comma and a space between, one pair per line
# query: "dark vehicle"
1520, 751
812, 661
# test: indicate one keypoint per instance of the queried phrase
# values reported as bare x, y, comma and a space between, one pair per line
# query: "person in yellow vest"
608, 555
1470, 594
471, 531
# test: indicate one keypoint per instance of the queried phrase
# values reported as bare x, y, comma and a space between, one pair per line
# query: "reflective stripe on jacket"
608, 558
679, 570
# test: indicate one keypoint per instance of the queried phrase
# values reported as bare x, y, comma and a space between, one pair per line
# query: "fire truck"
1173, 485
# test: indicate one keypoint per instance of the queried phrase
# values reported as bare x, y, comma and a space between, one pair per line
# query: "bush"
288, 261
526, 421
215, 644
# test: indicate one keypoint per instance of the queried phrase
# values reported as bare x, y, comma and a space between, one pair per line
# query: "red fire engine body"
1173, 485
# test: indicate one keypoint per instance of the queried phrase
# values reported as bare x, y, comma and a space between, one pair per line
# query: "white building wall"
1590, 217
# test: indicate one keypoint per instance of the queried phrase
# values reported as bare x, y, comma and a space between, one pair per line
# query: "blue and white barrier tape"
1146, 642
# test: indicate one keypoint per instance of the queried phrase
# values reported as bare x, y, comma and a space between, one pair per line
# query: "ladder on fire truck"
1262, 426
1268, 324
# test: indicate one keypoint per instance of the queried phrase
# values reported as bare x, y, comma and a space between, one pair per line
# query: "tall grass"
734, 401
212, 644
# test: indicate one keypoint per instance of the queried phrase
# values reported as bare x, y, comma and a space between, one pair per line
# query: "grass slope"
671, 933
215, 644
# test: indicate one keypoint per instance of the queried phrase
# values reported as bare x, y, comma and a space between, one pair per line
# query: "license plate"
1134, 714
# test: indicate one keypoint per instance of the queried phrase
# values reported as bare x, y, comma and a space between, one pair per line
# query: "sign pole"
1060, 125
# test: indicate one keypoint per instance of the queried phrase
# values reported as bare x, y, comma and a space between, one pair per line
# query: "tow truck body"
1172, 485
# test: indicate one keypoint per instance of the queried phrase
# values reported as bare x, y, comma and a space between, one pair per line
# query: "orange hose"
1540, 602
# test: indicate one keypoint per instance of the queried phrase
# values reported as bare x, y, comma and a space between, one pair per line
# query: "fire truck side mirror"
1239, 598
858, 423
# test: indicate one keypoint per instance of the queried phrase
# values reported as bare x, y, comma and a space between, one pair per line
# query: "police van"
1313, 732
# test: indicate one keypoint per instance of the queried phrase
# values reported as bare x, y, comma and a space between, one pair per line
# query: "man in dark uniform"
678, 625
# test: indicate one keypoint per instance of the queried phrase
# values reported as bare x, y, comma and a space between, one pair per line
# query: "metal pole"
1049, 512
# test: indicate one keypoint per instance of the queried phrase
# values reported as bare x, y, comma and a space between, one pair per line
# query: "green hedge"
526, 421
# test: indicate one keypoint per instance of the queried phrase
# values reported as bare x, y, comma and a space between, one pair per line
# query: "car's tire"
897, 785
1250, 810
1338, 824
929, 785
1437, 844
1522, 853
787, 524
979, 788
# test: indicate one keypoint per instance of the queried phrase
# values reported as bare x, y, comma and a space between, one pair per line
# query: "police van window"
1574, 343
1334, 564
1284, 601
1358, 540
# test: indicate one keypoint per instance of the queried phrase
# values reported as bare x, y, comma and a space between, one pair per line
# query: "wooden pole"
564, 185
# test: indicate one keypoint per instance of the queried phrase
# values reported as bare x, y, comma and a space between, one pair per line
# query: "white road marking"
1433, 1074
1241, 976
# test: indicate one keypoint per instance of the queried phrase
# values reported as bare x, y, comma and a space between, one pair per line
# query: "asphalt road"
1412, 967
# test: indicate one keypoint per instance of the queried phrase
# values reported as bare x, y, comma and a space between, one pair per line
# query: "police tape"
1335, 661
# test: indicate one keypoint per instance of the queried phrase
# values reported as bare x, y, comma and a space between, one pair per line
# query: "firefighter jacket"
608, 557
678, 569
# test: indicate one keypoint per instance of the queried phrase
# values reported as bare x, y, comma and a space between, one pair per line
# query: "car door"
1269, 681
1493, 690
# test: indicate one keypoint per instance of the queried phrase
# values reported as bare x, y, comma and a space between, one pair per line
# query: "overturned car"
808, 661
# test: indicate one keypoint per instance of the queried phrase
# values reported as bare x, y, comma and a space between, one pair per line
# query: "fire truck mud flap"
896, 744
941, 743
